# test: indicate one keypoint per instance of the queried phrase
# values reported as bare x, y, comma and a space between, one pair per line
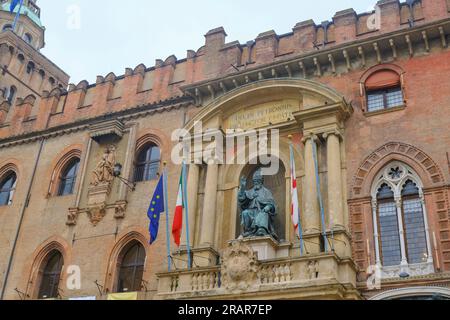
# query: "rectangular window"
384, 99
389, 234
415, 231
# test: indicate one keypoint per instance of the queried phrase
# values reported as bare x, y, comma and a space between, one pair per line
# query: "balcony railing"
307, 275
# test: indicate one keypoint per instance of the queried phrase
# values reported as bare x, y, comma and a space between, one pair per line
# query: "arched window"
51, 274
68, 178
7, 27
147, 163
416, 241
131, 268
7, 188
384, 90
30, 67
400, 222
388, 222
28, 38
12, 94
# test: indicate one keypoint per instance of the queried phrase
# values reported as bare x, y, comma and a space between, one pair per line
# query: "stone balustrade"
276, 278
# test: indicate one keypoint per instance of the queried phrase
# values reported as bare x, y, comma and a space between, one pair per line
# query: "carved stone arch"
275, 88
410, 292
127, 237
232, 172
63, 159
428, 171
397, 184
8, 166
37, 262
157, 137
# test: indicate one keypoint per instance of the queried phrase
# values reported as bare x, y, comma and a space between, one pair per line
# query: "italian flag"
294, 195
177, 226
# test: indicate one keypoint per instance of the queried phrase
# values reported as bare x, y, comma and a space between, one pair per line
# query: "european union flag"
155, 210
13, 5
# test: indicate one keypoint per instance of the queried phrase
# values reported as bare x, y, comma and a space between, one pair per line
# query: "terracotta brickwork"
328, 64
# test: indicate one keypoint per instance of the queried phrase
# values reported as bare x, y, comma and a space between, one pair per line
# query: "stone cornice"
124, 115
303, 65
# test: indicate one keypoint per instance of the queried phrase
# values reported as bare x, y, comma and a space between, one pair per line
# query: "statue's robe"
252, 203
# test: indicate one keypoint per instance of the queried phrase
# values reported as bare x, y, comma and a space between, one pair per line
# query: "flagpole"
186, 211
17, 16
300, 231
319, 195
166, 207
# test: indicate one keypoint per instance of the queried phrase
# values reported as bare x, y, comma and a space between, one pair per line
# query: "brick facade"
154, 101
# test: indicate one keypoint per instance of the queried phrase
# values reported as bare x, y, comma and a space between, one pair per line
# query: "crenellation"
217, 58
345, 23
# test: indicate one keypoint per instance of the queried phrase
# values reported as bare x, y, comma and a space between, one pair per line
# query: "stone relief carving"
72, 217
104, 171
120, 210
312, 269
240, 267
96, 214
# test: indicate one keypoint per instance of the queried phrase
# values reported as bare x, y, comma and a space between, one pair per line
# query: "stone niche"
277, 185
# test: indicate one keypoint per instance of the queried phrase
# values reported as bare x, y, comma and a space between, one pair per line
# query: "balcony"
242, 276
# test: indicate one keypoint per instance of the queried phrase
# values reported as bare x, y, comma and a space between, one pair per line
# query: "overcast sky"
110, 35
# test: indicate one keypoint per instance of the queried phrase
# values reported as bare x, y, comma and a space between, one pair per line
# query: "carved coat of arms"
240, 267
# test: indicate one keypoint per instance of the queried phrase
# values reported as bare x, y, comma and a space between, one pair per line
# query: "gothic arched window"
12, 94
7, 188
28, 38
400, 222
132, 260
68, 178
51, 274
148, 161
7, 27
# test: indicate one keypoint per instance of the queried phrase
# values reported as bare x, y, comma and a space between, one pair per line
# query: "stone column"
209, 206
401, 230
192, 194
335, 197
427, 230
376, 234
312, 212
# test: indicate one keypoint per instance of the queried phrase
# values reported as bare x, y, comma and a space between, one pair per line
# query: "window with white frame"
400, 221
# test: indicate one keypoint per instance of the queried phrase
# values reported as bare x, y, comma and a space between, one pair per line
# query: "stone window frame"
396, 185
61, 165
143, 142
39, 260
114, 263
364, 93
5, 172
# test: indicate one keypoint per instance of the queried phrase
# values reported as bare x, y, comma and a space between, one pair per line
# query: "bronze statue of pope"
258, 208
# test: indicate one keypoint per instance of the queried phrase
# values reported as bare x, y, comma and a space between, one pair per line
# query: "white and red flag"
177, 226
295, 213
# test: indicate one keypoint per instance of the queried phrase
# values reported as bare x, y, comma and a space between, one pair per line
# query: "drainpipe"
22, 214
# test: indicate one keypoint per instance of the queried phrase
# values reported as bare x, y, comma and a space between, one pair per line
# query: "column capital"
374, 203
336, 132
312, 137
